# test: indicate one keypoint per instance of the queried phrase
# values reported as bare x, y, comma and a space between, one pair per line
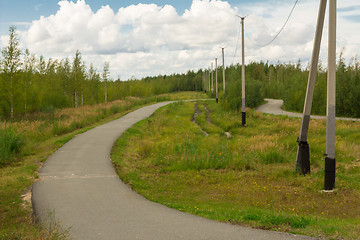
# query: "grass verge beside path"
42, 135
247, 179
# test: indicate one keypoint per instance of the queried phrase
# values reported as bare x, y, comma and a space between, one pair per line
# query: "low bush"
11, 145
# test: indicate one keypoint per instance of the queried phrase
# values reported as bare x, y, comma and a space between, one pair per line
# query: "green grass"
17, 177
247, 179
11, 145
205, 123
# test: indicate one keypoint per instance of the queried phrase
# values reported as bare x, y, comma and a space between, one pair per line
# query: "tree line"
288, 81
29, 84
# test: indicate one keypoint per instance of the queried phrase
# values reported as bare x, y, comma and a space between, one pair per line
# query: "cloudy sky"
148, 37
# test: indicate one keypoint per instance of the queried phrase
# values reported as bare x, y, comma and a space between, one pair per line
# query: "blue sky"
25, 11
143, 40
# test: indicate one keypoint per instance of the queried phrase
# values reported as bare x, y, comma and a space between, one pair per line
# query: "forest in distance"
30, 84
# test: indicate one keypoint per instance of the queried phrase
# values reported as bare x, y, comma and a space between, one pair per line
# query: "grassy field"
36, 137
247, 178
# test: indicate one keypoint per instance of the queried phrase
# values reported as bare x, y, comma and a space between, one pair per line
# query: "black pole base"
217, 100
243, 117
303, 158
330, 164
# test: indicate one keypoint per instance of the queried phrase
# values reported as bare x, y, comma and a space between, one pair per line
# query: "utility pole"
243, 73
331, 92
203, 81
302, 158
223, 65
216, 80
303, 155
212, 78
209, 82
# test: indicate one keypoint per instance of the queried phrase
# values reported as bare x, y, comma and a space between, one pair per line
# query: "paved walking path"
79, 183
273, 106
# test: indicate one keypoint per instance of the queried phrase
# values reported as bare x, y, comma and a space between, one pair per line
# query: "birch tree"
77, 74
29, 64
94, 82
11, 63
105, 77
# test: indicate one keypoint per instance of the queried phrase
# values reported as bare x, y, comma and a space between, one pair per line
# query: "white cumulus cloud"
146, 39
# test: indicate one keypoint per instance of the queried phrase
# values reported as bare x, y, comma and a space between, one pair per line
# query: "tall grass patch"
11, 145
272, 156
248, 178
191, 154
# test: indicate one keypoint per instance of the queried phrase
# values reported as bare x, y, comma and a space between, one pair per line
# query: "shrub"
116, 108
59, 129
253, 95
11, 145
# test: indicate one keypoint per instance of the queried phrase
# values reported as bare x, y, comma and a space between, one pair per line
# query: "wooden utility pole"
216, 80
223, 65
303, 155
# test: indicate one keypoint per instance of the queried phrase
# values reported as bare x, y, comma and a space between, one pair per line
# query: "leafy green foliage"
289, 82
11, 66
11, 145
34, 84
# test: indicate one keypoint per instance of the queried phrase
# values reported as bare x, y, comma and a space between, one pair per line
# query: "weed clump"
11, 145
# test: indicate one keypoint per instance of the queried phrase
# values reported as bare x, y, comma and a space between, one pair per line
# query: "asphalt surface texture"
274, 106
80, 186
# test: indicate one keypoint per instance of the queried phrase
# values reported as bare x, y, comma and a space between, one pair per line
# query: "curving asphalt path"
274, 106
79, 183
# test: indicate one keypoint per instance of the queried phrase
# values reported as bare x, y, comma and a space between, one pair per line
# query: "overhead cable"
261, 46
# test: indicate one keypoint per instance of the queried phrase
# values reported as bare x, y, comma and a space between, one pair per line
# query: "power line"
261, 46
